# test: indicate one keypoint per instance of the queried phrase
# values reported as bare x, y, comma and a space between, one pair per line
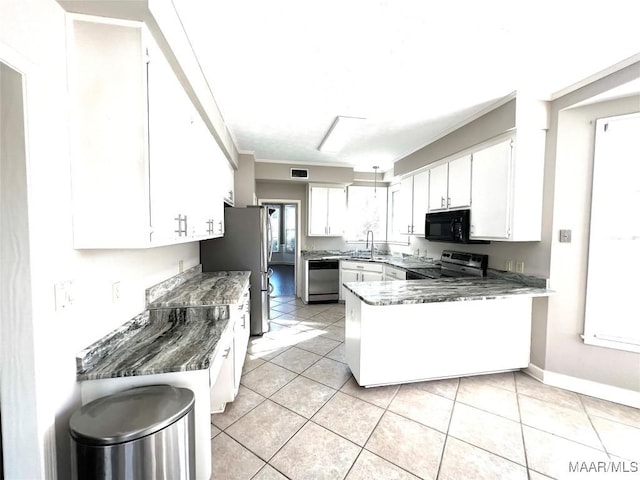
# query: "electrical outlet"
115, 292
63, 294
565, 236
180, 266
508, 265
520, 266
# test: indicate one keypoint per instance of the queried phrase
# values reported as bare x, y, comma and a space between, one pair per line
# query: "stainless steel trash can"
141, 433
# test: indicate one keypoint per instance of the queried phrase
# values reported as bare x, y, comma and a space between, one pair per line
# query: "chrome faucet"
370, 232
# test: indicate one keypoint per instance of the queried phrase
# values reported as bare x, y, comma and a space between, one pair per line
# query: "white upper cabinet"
143, 171
326, 210
414, 198
420, 202
450, 185
506, 189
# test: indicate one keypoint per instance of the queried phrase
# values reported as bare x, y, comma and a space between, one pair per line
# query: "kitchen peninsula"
194, 334
408, 331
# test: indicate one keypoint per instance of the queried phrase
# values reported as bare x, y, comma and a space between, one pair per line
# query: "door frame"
298, 204
28, 423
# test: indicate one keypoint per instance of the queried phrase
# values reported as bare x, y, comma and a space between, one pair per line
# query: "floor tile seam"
618, 422
604, 448
561, 405
391, 462
486, 411
524, 445
563, 438
420, 422
264, 399
524, 465
306, 350
446, 435
321, 383
284, 406
306, 420
249, 450
293, 371
335, 433
364, 400
263, 467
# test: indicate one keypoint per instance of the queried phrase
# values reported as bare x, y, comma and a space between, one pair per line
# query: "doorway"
284, 244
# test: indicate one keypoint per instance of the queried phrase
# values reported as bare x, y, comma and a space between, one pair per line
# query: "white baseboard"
585, 387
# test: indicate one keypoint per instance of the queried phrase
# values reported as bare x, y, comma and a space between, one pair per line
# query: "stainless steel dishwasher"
323, 278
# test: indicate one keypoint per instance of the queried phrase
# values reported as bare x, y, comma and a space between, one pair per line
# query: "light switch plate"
565, 236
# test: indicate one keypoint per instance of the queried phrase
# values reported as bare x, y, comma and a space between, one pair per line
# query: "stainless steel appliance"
323, 277
246, 245
452, 227
453, 264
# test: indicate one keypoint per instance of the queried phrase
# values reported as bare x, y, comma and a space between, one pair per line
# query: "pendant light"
375, 180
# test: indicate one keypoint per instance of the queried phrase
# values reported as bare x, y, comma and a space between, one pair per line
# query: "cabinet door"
438, 187
459, 182
406, 202
348, 276
490, 192
420, 202
240, 345
318, 210
370, 277
222, 391
337, 208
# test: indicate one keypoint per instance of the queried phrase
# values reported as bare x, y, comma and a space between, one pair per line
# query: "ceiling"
282, 70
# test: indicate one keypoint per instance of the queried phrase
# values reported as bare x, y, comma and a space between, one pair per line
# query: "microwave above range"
451, 226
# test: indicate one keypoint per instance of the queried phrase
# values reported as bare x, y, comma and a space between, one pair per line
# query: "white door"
318, 204
420, 201
438, 187
490, 192
460, 182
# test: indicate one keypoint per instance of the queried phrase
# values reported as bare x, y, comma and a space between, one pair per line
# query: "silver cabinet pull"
448, 202
442, 202
180, 219
226, 353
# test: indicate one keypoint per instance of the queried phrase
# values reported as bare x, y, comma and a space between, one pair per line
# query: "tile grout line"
446, 437
604, 448
524, 446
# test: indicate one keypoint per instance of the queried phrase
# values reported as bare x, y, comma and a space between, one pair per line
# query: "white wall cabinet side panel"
491, 192
337, 211
459, 192
420, 202
406, 202
109, 135
138, 144
438, 178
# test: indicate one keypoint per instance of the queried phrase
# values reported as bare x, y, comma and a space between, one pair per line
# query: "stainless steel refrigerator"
246, 245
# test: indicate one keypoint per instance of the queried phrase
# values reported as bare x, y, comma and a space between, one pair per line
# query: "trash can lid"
130, 415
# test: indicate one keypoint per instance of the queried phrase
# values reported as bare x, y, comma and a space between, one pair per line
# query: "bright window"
611, 314
274, 218
367, 210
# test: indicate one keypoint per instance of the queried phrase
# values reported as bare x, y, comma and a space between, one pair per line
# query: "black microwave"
451, 226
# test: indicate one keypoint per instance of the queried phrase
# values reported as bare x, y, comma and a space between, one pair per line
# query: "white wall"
34, 31
566, 353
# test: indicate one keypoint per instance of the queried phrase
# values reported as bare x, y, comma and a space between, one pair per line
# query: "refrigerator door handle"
270, 235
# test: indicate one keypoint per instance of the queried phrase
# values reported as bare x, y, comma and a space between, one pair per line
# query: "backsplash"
161, 289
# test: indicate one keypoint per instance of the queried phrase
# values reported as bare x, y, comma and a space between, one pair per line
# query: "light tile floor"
300, 415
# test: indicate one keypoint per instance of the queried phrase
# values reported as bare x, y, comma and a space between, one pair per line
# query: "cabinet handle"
441, 202
226, 353
448, 202
329, 230
180, 219
219, 227
244, 321
408, 228
359, 266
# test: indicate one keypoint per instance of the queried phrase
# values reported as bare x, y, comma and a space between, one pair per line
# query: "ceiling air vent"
299, 173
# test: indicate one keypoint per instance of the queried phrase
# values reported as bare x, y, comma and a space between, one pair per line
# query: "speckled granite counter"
440, 290
179, 332
205, 289
406, 262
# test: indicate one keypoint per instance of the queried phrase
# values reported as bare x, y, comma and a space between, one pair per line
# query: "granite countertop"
406, 262
441, 290
179, 332
206, 289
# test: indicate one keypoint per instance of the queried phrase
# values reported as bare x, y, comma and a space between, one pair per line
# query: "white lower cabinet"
393, 273
225, 378
354, 271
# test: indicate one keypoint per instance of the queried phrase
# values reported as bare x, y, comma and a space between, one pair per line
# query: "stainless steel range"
453, 264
